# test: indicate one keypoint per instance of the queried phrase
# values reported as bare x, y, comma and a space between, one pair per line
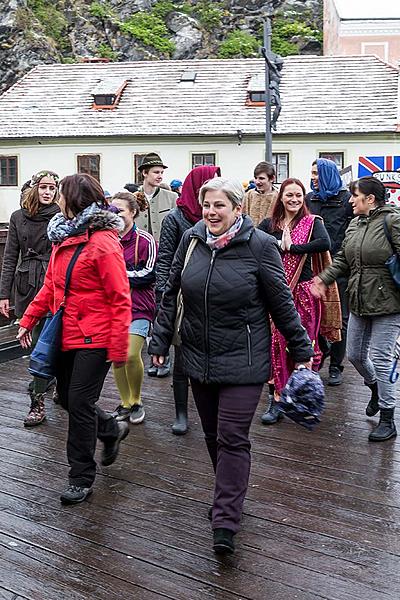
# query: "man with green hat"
160, 201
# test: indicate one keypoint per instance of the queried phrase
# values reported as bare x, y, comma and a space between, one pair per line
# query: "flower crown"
36, 178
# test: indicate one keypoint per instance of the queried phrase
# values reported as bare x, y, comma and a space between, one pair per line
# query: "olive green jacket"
362, 257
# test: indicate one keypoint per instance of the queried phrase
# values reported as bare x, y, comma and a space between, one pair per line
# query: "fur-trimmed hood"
93, 217
105, 220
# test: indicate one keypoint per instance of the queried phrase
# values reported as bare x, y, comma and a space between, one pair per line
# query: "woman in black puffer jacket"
186, 214
232, 283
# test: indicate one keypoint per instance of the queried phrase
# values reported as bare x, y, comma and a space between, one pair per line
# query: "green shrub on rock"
149, 29
239, 44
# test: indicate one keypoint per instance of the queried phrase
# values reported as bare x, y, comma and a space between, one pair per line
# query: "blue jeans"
370, 348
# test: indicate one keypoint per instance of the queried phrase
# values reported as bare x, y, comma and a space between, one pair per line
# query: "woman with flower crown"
26, 257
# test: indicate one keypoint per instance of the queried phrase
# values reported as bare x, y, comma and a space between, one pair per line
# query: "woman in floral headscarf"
26, 257
187, 213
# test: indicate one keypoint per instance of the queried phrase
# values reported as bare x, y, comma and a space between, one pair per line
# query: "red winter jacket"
98, 307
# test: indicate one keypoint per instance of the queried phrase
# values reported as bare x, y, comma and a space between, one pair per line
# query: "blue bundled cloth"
302, 398
329, 181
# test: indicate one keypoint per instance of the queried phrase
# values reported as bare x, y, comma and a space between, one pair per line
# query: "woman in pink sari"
301, 236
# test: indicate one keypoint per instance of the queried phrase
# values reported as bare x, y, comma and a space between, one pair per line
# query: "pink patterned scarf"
216, 242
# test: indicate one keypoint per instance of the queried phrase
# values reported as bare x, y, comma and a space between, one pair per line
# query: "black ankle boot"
386, 428
223, 541
180, 424
373, 404
272, 415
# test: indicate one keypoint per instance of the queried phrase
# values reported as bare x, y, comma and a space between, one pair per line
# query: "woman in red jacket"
96, 321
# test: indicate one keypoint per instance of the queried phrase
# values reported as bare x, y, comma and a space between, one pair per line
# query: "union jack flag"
367, 165
386, 169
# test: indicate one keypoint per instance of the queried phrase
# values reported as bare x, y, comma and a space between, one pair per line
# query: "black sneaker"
223, 541
110, 450
75, 494
152, 371
335, 376
121, 413
165, 370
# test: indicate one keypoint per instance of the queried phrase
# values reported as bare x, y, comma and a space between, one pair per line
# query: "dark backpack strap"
71, 266
387, 233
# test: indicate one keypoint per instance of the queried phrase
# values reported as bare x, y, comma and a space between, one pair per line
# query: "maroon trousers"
226, 413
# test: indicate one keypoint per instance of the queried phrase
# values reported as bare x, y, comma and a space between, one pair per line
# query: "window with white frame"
89, 163
337, 157
203, 159
280, 160
8, 170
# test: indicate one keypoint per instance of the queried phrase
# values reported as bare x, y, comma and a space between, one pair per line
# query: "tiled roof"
347, 94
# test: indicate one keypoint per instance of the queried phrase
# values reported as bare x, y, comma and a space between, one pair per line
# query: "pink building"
354, 27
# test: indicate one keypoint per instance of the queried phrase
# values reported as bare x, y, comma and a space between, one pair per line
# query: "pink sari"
308, 307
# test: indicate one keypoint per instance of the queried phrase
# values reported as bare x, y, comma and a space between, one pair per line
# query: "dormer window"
256, 91
107, 94
257, 97
104, 99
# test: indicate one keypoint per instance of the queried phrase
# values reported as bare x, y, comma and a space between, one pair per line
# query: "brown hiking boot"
36, 414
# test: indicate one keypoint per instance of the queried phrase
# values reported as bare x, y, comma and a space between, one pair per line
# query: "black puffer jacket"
173, 227
228, 296
336, 212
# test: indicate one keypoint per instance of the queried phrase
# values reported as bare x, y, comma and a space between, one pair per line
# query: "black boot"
180, 424
373, 404
223, 541
386, 428
272, 414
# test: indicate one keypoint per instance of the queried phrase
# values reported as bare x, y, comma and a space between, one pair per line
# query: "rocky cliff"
44, 31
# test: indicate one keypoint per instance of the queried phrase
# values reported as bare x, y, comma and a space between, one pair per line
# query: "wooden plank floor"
322, 515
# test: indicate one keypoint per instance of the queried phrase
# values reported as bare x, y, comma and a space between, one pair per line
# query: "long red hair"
278, 212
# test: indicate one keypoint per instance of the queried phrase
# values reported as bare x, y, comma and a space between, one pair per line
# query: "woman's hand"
24, 337
318, 287
158, 361
286, 239
5, 307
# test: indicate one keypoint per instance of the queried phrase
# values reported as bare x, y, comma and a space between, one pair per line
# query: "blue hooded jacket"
329, 181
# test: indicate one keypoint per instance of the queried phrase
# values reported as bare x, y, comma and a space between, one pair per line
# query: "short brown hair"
80, 191
267, 168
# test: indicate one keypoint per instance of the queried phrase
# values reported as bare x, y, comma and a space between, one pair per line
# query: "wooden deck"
322, 515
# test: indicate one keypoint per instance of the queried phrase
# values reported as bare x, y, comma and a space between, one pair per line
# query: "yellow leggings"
129, 378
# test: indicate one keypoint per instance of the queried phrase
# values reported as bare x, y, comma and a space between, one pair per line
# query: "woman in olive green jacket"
374, 300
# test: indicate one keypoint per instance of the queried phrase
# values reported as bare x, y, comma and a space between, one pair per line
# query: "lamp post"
266, 51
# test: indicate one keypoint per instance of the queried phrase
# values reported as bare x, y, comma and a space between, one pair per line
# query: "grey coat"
26, 256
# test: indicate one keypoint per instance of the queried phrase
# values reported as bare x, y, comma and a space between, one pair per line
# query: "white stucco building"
101, 118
